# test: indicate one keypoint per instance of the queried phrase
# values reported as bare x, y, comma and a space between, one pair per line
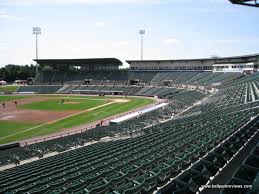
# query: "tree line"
11, 72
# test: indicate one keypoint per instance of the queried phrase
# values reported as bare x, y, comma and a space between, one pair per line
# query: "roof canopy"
215, 59
191, 64
252, 3
79, 62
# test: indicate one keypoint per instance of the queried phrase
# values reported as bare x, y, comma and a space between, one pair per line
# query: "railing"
22, 144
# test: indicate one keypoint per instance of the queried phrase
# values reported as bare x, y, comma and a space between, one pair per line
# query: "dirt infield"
86, 126
11, 113
43, 117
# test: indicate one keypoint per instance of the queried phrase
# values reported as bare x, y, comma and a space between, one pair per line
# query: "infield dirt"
11, 113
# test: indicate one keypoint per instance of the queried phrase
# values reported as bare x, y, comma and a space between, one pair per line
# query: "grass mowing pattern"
56, 105
83, 118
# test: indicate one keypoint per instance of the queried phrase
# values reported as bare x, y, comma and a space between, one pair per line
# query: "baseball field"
24, 117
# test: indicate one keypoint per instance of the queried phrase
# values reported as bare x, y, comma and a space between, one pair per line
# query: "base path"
87, 126
11, 113
53, 121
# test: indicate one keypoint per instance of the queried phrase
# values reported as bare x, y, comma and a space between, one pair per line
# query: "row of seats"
243, 93
132, 126
134, 165
159, 153
201, 173
64, 77
247, 174
139, 77
233, 98
45, 89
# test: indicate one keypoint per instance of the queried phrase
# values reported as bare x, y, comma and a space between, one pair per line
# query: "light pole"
142, 33
36, 31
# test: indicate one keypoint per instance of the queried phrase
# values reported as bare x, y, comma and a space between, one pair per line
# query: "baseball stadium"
88, 125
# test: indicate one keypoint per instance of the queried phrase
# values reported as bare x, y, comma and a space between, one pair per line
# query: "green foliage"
8, 88
10, 73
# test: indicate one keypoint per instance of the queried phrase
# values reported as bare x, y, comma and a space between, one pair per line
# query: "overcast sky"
109, 28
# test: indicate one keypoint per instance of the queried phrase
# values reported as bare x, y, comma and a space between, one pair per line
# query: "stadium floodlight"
36, 31
252, 3
142, 33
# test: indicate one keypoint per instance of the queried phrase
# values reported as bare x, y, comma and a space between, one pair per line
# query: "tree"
12, 72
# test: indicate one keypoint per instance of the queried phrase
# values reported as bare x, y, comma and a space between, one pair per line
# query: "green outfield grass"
69, 104
8, 88
8, 128
11, 97
76, 120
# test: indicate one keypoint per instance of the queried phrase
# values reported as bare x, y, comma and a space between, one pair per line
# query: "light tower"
142, 33
36, 31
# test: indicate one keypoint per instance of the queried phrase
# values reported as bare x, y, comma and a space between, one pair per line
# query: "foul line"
58, 119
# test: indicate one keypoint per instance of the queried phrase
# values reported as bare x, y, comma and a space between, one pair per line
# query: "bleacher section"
159, 77
143, 77
246, 174
124, 77
185, 77
173, 76
96, 134
176, 149
66, 77
39, 89
137, 164
201, 75
205, 170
